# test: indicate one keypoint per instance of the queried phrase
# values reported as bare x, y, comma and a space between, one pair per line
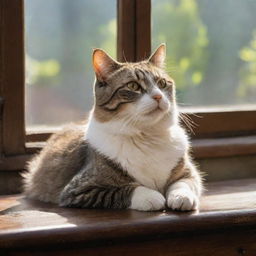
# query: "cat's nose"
157, 97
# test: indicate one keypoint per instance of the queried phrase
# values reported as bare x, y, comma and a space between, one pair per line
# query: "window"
211, 50
133, 44
59, 75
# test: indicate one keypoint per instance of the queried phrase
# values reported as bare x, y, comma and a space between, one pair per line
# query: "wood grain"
143, 29
227, 243
14, 163
224, 147
226, 223
12, 76
1, 80
126, 34
212, 124
10, 182
134, 30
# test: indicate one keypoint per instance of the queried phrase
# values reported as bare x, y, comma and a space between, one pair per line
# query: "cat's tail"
27, 176
33, 183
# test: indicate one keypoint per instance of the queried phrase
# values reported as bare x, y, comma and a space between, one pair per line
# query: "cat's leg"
103, 196
127, 196
146, 199
184, 194
181, 196
91, 195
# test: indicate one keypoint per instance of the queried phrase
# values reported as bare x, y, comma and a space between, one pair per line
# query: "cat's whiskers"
135, 156
190, 124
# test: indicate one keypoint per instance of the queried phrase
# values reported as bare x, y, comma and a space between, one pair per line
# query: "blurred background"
211, 53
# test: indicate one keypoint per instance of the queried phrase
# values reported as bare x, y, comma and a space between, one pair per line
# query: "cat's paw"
182, 199
145, 199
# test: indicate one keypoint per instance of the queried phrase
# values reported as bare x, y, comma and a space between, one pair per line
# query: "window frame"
12, 77
133, 44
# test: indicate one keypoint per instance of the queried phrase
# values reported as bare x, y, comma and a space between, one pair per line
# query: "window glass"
60, 36
211, 49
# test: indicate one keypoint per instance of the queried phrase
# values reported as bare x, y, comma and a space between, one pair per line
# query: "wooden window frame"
215, 130
12, 80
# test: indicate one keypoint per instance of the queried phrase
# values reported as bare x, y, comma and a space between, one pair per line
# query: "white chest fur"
149, 158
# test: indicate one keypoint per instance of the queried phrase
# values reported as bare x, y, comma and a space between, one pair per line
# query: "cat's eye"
163, 84
133, 86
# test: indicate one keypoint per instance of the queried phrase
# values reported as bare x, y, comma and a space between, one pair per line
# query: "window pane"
211, 48
60, 36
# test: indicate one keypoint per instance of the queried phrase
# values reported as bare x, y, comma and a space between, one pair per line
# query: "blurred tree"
179, 25
247, 87
229, 25
209, 44
204, 39
65, 32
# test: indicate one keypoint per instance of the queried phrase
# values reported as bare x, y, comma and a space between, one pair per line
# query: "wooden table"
225, 225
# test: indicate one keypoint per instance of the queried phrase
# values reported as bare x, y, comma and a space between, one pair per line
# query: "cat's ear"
103, 64
158, 57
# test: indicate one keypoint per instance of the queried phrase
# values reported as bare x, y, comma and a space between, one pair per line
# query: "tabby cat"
131, 152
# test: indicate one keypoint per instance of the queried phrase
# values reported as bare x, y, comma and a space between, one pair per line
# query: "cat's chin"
155, 111
158, 109
157, 117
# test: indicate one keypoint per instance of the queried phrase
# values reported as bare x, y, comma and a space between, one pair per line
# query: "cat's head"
138, 95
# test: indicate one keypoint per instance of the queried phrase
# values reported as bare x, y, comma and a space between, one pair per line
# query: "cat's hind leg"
97, 196
130, 196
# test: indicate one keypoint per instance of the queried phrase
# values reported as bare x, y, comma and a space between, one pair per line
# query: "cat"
130, 153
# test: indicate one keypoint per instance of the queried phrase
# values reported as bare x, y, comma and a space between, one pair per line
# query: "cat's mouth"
154, 111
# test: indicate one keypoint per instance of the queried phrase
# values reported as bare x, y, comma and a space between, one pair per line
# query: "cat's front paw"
182, 199
145, 199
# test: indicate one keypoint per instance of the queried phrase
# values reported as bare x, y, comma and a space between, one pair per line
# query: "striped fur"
131, 152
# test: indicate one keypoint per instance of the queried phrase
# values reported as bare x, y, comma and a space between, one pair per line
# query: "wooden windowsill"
227, 219
224, 147
201, 148
208, 122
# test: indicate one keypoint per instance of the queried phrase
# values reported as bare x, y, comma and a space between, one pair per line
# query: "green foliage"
108, 32
247, 87
179, 24
41, 72
208, 42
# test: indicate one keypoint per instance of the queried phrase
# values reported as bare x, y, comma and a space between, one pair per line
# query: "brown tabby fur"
69, 171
